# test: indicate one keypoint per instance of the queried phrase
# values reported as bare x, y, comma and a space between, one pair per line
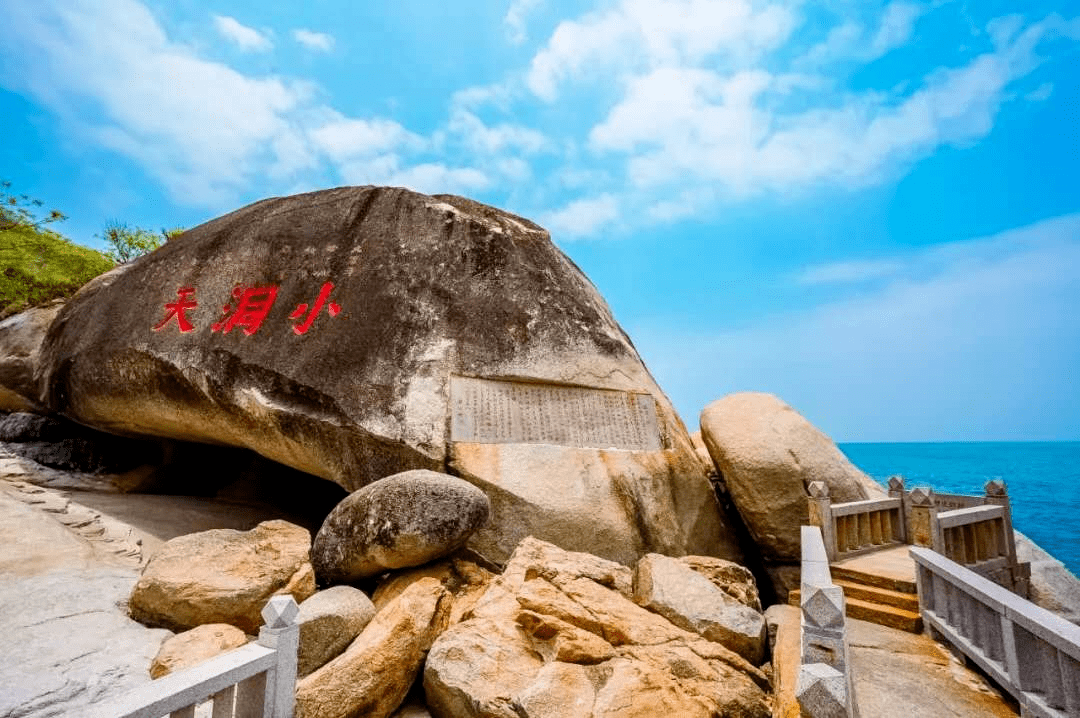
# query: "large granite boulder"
21, 337
359, 332
556, 635
223, 576
407, 519
767, 454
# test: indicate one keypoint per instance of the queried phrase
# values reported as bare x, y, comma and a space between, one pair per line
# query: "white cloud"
341, 137
515, 18
852, 42
246, 38
725, 129
1040, 93
479, 137
653, 33
582, 217
849, 272
314, 40
971, 341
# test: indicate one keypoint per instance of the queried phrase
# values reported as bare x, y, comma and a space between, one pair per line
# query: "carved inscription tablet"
489, 411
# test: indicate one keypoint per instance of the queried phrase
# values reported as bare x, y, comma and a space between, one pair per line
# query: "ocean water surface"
1043, 480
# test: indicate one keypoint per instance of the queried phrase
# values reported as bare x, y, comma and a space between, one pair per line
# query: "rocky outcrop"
1052, 585
767, 454
373, 675
689, 600
329, 620
359, 332
465, 580
195, 646
728, 576
555, 635
21, 336
223, 576
407, 519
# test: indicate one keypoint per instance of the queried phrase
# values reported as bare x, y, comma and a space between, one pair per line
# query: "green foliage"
19, 210
38, 265
127, 243
170, 234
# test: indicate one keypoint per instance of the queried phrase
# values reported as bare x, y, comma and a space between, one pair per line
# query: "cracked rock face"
326, 331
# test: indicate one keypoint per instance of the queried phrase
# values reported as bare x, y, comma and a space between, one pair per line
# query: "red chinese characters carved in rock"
179, 310
252, 306
332, 308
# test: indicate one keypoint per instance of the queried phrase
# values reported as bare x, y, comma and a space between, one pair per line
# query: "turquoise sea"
1043, 479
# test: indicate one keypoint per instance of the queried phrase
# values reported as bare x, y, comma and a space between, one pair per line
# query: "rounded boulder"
407, 519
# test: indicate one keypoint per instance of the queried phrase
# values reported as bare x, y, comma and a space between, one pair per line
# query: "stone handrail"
977, 534
855, 527
824, 687
253, 681
1032, 653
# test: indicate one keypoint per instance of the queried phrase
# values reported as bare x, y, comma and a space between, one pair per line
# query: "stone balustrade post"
819, 506
924, 529
281, 633
997, 493
896, 491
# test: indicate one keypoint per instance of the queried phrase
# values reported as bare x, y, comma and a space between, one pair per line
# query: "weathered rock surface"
21, 336
561, 640
407, 519
372, 677
672, 589
223, 576
195, 646
767, 454
426, 291
731, 578
463, 579
329, 620
1053, 586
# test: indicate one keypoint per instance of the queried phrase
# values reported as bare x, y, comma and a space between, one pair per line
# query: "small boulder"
195, 646
373, 675
731, 578
329, 621
767, 453
21, 337
672, 589
223, 576
402, 520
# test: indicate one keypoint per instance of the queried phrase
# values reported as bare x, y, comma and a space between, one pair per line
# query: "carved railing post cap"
818, 489
823, 607
922, 496
280, 611
995, 487
896, 482
821, 690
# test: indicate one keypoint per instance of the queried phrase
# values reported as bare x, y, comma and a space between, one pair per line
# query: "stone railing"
975, 531
1030, 652
855, 527
824, 688
254, 681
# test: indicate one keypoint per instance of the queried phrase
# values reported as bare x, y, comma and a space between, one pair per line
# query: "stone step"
891, 583
880, 614
884, 596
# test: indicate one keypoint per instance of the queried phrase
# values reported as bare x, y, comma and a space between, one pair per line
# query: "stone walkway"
69, 561
896, 674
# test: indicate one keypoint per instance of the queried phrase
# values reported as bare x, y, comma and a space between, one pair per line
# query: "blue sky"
870, 209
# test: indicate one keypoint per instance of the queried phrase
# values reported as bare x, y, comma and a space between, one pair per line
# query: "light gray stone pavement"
66, 571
